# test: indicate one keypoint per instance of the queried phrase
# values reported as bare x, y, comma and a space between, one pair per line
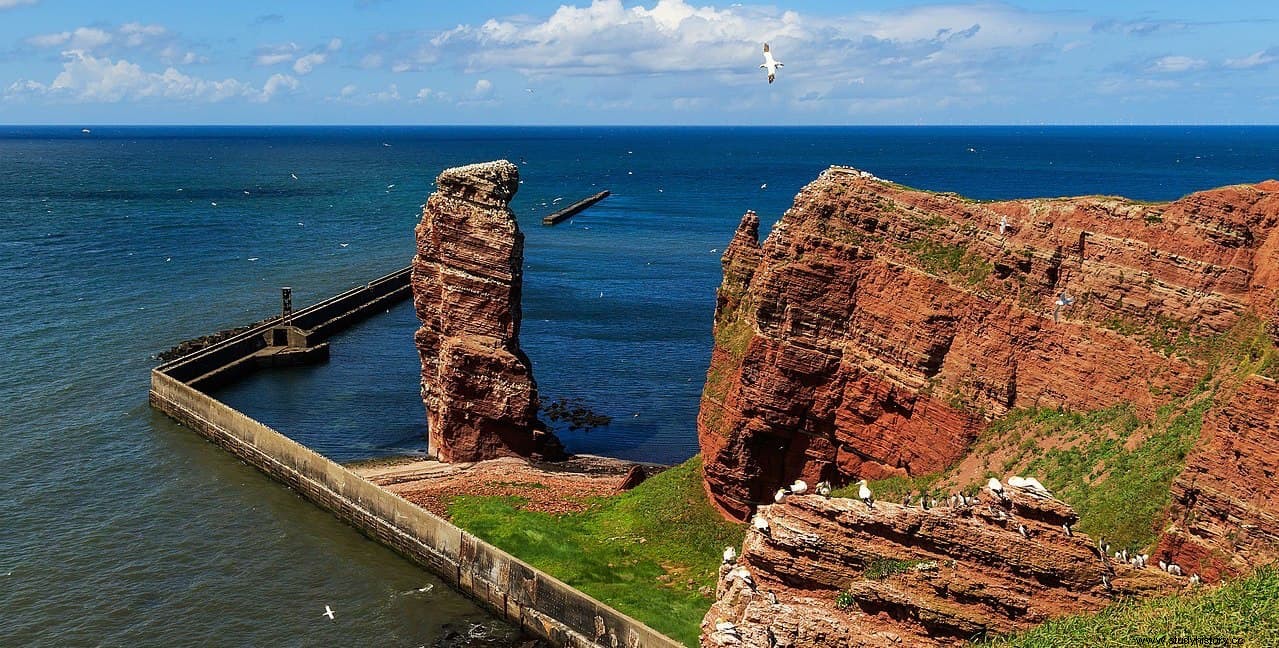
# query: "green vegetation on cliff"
653, 552
1242, 613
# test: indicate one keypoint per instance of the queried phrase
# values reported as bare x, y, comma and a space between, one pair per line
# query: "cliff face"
836, 573
478, 387
1224, 518
879, 329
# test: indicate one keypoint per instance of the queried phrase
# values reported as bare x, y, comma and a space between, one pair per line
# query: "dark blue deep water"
118, 527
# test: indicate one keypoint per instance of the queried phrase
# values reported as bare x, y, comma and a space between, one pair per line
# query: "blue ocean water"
119, 527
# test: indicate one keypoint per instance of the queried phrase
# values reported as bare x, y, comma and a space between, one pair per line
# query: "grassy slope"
1245, 612
650, 553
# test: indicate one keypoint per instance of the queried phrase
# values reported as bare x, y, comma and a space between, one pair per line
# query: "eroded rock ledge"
879, 329
914, 577
478, 387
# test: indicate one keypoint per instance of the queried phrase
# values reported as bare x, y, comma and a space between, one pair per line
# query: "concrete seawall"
540, 604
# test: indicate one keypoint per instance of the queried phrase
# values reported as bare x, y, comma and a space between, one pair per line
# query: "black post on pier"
286, 305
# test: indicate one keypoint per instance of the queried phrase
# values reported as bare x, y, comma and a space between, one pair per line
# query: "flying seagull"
770, 64
1062, 300
328, 612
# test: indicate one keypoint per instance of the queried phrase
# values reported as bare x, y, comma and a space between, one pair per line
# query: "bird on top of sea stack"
770, 64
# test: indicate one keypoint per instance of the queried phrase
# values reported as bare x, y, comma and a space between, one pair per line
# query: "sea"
119, 527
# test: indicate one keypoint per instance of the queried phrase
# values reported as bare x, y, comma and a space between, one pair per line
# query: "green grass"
892, 489
882, 568
952, 260
651, 552
1246, 613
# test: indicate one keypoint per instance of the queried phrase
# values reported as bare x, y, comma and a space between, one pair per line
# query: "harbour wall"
537, 602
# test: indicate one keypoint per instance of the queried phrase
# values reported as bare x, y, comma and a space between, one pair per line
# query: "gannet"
764, 186
780, 495
1062, 300
85, 131
770, 64
799, 487
391, 186
760, 523
328, 612
1003, 225
743, 574
730, 555
823, 488
863, 491
1066, 528
996, 488
214, 204
294, 176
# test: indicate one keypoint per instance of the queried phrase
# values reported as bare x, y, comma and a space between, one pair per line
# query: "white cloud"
132, 37
483, 89
83, 38
302, 63
1175, 64
9, 4
350, 94
1259, 59
305, 64
423, 95
87, 78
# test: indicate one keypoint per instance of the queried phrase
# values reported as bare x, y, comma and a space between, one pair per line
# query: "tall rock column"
477, 385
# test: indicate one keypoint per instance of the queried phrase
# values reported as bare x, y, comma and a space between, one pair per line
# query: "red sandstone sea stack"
478, 387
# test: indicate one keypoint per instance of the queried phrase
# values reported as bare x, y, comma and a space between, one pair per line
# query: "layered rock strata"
839, 574
878, 329
477, 385
1224, 518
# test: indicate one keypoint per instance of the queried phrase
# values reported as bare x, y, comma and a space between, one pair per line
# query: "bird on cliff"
770, 64
1105, 581
1021, 528
925, 502
742, 574
823, 488
863, 492
799, 487
730, 555
1195, 580
906, 499
1062, 300
780, 495
328, 612
1066, 528
1003, 225
997, 488
760, 524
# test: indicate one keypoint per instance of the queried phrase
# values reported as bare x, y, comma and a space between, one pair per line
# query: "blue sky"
614, 62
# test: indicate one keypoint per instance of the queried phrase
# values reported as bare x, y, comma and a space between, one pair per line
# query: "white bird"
743, 574
995, 487
328, 612
760, 523
386, 145
764, 186
730, 555
253, 258
780, 495
1066, 528
85, 131
1034, 484
1062, 300
528, 90
391, 186
214, 204
1003, 225
823, 488
1021, 528
168, 258
1163, 566
714, 250
863, 491
770, 64
343, 244
246, 193
1194, 579
294, 176
799, 487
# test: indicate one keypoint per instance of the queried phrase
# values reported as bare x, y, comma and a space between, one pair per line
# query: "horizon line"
623, 125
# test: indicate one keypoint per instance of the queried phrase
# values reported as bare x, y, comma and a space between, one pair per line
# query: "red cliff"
836, 573
478, 387
878, 329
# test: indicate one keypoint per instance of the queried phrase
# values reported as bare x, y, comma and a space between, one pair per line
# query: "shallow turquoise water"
118, 527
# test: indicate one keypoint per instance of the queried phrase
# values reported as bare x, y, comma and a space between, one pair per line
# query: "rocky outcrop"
878, 329
1224, 518
839, 574
478, 387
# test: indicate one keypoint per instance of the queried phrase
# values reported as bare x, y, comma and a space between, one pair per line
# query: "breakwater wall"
575, 208
224, 361
540, 604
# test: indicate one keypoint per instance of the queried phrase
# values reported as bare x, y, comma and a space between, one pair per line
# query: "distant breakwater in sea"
110, 242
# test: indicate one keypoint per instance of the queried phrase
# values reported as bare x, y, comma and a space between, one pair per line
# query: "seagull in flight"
770, 64
294, 176
328, 612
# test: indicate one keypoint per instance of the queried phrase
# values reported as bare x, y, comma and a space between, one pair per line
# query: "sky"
655, 62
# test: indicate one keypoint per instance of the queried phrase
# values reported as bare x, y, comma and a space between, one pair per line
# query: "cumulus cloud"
132, 38
9, 4
302, 63
483, 89
350, 94
1260, 59
1176, 64
88, 78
